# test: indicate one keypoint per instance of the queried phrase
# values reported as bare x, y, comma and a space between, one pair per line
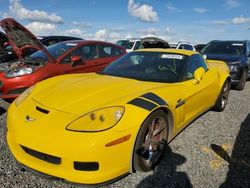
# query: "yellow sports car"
95, 128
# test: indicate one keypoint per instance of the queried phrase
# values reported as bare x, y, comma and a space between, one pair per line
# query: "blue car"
236, 54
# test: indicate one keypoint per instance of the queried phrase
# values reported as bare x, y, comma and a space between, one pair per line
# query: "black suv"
236, 54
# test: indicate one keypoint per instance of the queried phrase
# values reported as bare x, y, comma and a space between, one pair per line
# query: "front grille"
17, 91
86, 166
42, 156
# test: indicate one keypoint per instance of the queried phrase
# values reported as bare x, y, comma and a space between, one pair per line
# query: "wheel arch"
170, 124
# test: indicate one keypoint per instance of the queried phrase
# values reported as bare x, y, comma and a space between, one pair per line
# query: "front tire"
221, 102
151, 141
243, 80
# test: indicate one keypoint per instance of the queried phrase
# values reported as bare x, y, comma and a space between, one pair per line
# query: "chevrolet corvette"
94, 128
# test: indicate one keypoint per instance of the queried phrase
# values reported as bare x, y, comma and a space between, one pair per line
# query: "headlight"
234, 63
97, 120
234, 66
24, 95
19, 72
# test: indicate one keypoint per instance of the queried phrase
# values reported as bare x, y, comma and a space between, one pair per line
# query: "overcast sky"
197, 21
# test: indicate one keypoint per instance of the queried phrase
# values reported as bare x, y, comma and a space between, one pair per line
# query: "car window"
137, 45
186, 47
49, 42
87, 52
90, 52
109, 50
76, 52
149, 66
125, 43
195, 61
224, 47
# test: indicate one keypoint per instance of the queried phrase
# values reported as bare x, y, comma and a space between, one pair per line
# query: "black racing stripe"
155, 98
143, 104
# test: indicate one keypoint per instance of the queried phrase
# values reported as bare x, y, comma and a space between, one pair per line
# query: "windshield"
148, 66
55, 50
230, 47
125, 43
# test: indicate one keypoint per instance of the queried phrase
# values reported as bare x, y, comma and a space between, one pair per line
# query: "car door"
196, 98
88, 55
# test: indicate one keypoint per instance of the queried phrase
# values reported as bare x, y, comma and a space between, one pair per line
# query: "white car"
182, 45
138, 43
130, 44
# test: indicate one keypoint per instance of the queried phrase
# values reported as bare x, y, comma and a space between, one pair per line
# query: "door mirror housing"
6, 44
76, 60
198, 73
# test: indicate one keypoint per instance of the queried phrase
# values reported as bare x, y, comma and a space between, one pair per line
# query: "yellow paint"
217, 162
69, 97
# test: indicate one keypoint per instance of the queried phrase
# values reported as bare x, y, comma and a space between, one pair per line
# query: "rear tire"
243, 80
221, 102
151, 141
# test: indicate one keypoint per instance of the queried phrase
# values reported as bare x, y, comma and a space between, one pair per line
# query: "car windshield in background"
125, 43
55, 50
232, 48
148, 66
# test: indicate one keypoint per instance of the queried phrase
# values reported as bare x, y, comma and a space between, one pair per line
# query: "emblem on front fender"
29, 119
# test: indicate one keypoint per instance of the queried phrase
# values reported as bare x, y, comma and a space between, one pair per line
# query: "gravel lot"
214, 151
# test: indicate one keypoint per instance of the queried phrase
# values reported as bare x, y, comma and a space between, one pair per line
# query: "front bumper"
11, 88
45, 146
235, 74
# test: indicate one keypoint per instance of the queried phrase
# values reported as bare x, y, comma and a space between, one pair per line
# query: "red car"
62, 58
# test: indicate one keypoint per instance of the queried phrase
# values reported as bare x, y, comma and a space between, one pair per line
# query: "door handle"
180, 102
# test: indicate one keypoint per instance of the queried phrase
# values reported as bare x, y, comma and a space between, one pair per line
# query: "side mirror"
6, 44
76, 60
198, 73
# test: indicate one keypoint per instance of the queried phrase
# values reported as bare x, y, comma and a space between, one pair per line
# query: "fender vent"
42, 110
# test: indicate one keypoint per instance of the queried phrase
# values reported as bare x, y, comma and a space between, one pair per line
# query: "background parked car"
66, 57
49, 40
199, 47
7, 54
130, 44
236, 54
148, 42
182, 45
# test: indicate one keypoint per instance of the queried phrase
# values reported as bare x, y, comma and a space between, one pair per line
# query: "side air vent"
42, 110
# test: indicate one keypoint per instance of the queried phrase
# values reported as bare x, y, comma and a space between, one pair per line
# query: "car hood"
223, 57
86, 92
21, 38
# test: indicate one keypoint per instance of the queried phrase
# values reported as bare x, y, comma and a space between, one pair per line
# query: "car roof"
168, 50
86, 41
57, 36
221, 41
